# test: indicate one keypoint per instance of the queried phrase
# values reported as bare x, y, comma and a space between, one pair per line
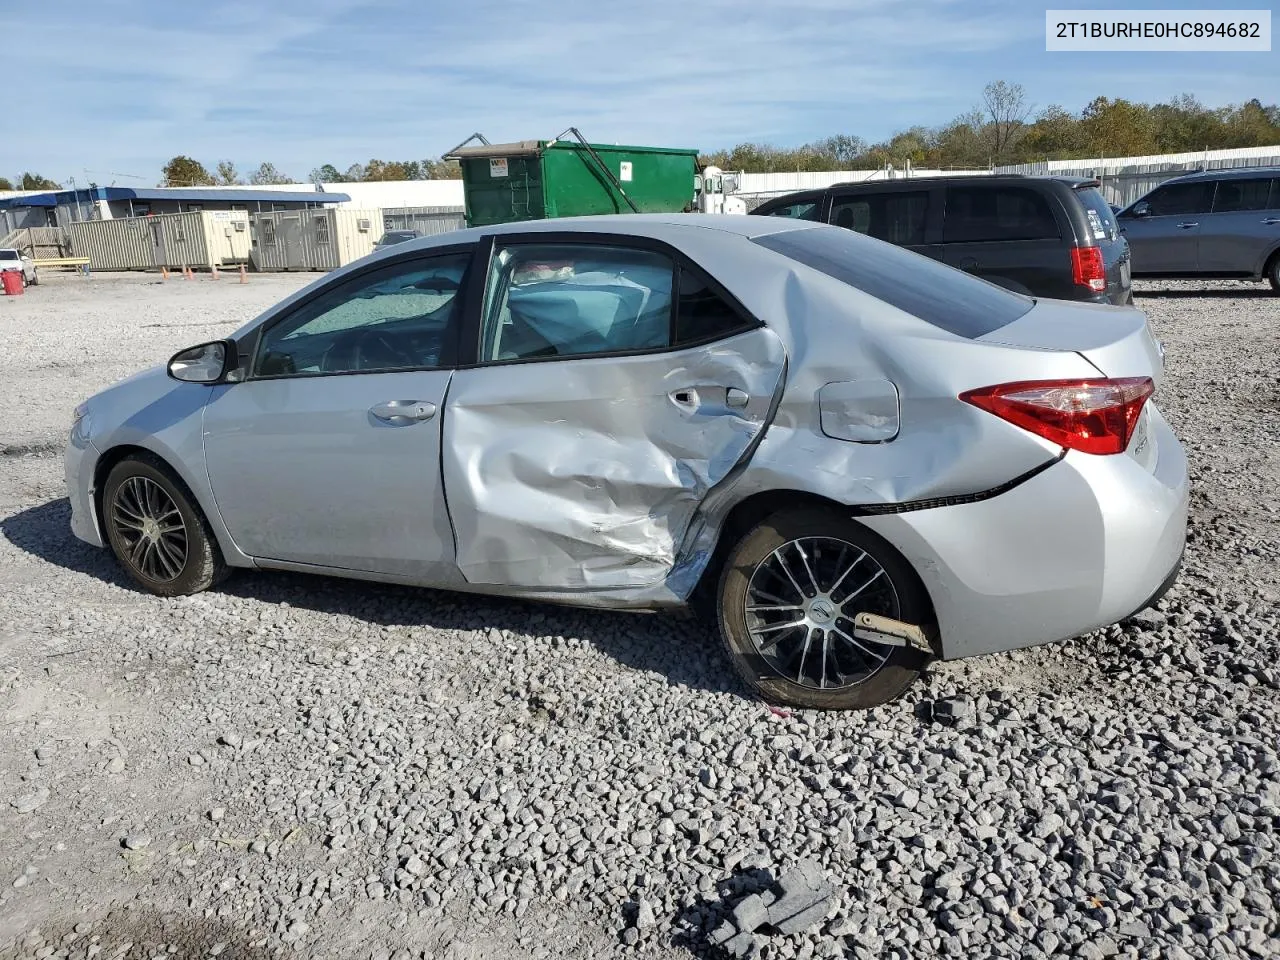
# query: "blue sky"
118, 87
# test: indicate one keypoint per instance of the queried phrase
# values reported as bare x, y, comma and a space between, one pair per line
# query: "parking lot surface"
292, 766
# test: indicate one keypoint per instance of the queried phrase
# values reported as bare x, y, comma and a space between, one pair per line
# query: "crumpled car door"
585, 473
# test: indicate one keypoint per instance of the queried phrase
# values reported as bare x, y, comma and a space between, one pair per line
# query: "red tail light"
1093, 416
1087, 269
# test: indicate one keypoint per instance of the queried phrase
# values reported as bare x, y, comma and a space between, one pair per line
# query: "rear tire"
819, 569
1273, 271
35, 278
157, 531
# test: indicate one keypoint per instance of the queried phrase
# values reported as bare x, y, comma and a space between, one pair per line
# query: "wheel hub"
800, 605
822, 611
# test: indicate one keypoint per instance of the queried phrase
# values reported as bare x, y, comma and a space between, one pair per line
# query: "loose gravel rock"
405, 773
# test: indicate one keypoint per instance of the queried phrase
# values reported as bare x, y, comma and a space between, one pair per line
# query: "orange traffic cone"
243, 279
164, 273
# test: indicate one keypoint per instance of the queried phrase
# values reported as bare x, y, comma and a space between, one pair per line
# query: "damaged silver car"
858, 458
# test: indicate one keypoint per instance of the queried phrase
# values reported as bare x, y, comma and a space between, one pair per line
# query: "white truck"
12, 259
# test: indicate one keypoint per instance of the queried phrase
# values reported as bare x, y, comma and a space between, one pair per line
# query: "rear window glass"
947, 298
1102, 219
8, 255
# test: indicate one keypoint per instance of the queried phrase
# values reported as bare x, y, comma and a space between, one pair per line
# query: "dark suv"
1217, 223
1043, 236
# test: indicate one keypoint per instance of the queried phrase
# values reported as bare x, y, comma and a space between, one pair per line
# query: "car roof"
656, 226
1069, 179
1227, 173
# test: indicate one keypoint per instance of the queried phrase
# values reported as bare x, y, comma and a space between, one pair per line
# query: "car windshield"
943, 296
9, 255
1102, 220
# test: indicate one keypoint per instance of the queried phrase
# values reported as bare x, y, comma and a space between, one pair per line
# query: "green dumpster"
539, 179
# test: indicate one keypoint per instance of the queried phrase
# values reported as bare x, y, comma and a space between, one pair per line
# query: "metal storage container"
537, 179
315, 239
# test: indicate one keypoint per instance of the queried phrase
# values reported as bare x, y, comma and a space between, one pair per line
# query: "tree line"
1003, 128
1006, 128
183, 171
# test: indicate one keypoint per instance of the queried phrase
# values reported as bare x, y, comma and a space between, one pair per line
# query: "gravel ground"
304, 767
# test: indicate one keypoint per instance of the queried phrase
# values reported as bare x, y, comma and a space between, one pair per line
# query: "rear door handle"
691, 398
1270, 221
403, 411
1189, 225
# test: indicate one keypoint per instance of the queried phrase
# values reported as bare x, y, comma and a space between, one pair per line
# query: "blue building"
60, 207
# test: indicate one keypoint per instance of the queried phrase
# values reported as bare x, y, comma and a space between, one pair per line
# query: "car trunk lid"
1116, 340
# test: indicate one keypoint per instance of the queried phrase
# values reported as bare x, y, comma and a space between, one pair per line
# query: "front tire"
1273, 272
156, 530
35, 278
788, 594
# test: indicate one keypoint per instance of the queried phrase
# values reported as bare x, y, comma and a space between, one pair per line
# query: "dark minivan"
1044, 236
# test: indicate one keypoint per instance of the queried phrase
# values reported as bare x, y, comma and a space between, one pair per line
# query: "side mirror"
1142, 209
205, 363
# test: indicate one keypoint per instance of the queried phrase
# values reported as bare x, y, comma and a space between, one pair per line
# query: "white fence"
1125, 179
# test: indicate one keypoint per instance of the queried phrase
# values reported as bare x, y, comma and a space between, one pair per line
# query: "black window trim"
249, 345
472, 328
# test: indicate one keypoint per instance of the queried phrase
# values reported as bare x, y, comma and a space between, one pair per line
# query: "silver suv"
1216, 223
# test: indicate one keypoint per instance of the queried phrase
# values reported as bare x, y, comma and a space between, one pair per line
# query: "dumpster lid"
523, 148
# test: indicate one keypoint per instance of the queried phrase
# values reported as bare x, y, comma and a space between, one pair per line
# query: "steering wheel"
374, 350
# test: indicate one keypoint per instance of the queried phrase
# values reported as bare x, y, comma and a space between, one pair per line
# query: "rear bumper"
1081, 545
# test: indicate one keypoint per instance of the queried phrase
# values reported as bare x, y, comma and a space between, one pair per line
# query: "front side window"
806, 210
1235, 196
1180, 199
401, 317
979, 214
896, 217
547, 301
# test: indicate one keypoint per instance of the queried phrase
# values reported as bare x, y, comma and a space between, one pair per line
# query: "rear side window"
949, 299
978, 214
897, 217
1178, 199
807, 210
702, 314
1102, 220
1240, 195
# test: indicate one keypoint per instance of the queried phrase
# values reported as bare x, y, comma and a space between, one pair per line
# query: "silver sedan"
855, 458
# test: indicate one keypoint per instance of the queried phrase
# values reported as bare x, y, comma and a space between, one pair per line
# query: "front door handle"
1271, 221
403, 411
1187, 225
